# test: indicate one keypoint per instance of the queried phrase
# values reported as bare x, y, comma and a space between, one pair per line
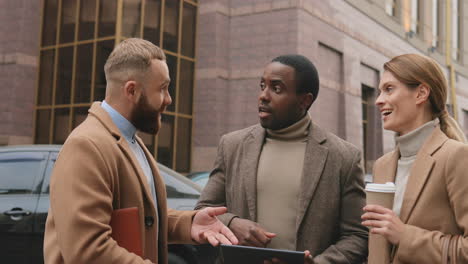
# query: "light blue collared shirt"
128, 131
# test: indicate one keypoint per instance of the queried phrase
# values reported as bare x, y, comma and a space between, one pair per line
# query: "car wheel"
174, 259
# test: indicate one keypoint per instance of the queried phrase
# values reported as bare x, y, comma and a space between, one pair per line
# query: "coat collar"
420, 172
102, 116
314, 162
386, 168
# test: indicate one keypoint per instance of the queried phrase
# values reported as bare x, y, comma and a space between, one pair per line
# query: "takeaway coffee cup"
379, 247
381, 194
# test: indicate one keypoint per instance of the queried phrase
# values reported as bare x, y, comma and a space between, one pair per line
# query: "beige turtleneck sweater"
278, 181
409, 146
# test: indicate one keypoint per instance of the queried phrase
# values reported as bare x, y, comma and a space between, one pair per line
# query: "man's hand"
308, 259
250, 233
207, 228
383, 221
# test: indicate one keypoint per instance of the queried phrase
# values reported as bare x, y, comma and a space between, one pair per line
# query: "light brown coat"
96, 172
435, 202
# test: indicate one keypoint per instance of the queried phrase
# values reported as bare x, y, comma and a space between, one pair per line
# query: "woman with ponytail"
429, 166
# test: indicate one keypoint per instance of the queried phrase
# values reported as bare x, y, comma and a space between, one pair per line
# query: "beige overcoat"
331, 198
95, 173
435, 203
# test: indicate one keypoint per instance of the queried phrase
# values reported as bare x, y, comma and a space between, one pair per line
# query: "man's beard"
144, 117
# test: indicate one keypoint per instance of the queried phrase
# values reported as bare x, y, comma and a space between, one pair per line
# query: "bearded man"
104, 166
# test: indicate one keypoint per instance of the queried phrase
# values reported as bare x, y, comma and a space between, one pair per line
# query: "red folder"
125, 224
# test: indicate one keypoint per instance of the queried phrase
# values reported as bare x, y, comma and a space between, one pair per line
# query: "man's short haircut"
307, 78
131, 57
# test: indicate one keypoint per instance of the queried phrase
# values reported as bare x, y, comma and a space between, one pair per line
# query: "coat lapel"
314, 162
251, 153
123, 145
159, 184
385, 170
106, 120
420, 172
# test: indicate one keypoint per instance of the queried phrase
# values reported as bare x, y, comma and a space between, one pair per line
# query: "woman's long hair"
414, 70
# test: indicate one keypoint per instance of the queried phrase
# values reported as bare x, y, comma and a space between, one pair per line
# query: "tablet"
253, 255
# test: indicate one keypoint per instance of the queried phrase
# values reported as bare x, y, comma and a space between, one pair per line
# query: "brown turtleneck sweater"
278, 181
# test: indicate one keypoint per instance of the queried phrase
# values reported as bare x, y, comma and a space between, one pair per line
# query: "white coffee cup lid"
388, 187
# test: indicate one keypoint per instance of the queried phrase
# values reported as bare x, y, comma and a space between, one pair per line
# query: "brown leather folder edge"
125, 224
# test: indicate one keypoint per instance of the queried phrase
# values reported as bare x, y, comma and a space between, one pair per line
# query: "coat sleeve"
214, 193
427, 248
81, 205
351, 246
180, 226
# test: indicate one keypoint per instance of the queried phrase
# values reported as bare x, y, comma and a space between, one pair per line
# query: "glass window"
49, 27
18, 172
152, 21
188, 30
61, 124
70, 80
171, 25
45, 188
83, 74
87, 19
107, 18
455, 30
184, 143
172, 65
390, 7
64, 75
166, 140
131, 18
46, 77
435, 22
67, 26
414, 16
371, 128
366, 96
104, 49
79, 115
186, 87
42, 126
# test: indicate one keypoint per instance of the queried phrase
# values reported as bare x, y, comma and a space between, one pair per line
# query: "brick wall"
19, 47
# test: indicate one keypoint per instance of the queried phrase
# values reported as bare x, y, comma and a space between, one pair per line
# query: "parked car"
201, 178
24, 203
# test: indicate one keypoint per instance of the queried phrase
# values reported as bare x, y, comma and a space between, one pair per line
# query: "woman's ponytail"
450, 127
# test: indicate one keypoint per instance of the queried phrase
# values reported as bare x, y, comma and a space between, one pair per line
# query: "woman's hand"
383, 221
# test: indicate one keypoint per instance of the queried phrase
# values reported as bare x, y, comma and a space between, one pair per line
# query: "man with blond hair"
104, 166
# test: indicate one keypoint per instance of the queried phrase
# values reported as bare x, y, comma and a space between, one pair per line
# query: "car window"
48, 173
19, 170
176, 188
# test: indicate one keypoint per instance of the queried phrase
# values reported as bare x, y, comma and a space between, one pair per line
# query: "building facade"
53, 51
348, 40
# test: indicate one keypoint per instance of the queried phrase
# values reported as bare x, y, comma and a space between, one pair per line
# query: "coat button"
149, 221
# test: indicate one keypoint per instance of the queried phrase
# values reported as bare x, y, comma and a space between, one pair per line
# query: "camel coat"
435, 203
331, 198
95, 173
